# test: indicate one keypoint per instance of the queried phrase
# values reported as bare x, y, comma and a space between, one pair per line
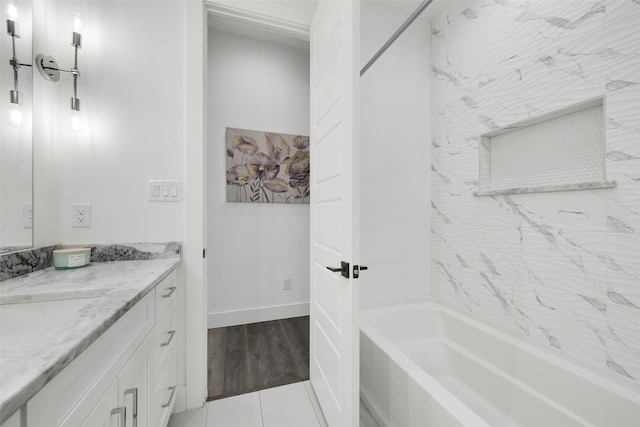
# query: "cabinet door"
106, 412
165, 392
134, 387
14, 420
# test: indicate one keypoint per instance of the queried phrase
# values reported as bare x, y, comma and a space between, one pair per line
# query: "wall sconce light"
49, 70
15, 96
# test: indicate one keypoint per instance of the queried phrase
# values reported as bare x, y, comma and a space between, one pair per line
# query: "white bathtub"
426, 365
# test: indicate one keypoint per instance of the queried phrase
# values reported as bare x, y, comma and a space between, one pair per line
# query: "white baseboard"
372, 410
259, 314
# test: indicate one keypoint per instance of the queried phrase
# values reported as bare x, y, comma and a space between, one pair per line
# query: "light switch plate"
165, 190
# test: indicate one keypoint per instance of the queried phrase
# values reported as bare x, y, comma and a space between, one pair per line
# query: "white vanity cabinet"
134, 391
164, 363
102, 413
124, 403
14, 420
120, 380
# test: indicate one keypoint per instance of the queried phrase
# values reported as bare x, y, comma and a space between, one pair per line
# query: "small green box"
64, 259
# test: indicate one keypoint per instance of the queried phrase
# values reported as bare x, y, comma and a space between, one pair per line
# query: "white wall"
259, 85
135, 97
395, 177
15, 148
133, 105
561, 268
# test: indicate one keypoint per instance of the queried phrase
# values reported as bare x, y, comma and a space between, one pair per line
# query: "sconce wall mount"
50, 71
48, 67
15, 96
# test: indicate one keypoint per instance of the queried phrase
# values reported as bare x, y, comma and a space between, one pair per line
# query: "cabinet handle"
173, 391
122, 415
171, 334
172, 289
134, 392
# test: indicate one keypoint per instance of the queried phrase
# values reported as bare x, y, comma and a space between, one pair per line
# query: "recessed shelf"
559, 151
547, 188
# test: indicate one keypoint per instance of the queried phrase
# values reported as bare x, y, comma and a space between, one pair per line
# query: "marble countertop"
114, 286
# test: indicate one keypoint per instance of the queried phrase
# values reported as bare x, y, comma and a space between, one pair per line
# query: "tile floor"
291, 405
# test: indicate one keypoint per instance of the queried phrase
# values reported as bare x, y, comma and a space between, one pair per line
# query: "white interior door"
335, 361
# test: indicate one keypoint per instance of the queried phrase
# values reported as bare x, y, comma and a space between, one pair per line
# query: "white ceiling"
306, 8
401, 6
244, 29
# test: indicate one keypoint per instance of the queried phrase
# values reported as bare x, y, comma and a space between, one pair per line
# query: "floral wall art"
267, 167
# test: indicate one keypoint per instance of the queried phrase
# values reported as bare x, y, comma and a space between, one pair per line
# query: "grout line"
314, 403
260, 402
206, 413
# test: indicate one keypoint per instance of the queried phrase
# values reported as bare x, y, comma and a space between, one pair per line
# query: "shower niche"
559, 151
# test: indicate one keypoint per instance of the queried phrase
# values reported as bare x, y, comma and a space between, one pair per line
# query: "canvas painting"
267, 167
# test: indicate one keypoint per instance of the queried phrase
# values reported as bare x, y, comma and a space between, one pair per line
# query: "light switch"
165, 190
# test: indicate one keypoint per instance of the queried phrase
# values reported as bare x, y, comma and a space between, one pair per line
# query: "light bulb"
77, 23
76, 121
15, 115
12, 11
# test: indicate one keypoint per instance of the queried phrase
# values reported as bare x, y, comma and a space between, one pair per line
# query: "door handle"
171, 335
134, 392
357, 269
343, 269
173, 391
172, 289
122, 415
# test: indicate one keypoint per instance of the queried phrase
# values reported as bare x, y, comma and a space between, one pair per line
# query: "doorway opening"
258, 248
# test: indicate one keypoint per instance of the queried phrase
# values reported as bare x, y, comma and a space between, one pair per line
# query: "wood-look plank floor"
247, 358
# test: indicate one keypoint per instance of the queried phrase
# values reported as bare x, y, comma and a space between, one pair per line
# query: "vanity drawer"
164, 340
165, 395
88, 376
166, 293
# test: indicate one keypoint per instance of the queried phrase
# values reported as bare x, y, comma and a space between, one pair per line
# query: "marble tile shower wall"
562, 268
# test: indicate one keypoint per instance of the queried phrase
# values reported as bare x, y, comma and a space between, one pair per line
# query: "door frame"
195, 265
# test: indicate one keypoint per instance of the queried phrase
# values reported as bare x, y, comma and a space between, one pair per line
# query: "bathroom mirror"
16, 98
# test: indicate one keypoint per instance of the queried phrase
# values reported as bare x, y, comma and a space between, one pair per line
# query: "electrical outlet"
286, 284
80, 215
27, 215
